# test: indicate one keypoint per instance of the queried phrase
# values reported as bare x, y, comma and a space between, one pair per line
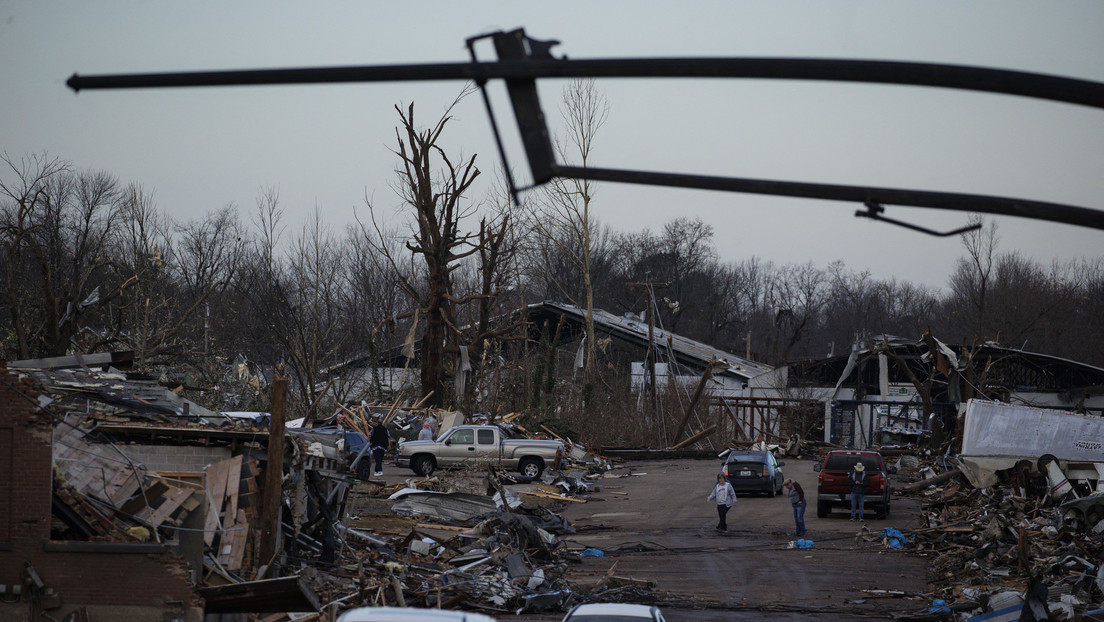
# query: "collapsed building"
893, 391
119, 499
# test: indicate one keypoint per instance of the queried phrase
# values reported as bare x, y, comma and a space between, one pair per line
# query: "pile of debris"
1011, 545
134, 462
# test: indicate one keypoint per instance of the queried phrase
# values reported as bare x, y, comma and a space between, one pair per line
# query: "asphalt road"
657, 525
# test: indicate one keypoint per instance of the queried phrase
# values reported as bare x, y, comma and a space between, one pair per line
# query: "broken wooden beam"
695, 438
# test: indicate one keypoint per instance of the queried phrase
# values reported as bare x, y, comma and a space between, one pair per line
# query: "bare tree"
971, 279
438, 203
798, 294
310, 323
24, 197
562, 215
144, 254
56, 228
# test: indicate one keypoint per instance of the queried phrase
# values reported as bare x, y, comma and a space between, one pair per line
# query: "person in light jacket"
725, 497
426, 434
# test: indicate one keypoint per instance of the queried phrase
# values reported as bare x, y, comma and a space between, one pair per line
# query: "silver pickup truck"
469, 443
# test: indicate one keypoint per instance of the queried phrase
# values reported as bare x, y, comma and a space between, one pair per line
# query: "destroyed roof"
97, 381
631, 329
1014, 369
625, 329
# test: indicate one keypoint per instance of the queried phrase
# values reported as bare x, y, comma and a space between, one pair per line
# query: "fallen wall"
136, 580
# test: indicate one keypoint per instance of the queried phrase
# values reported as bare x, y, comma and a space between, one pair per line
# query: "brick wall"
154, 583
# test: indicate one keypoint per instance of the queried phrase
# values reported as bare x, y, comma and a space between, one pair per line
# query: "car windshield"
758, 457
605, 618
846, 462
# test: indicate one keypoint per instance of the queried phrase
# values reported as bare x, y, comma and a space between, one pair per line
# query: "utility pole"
650, 319
274, 472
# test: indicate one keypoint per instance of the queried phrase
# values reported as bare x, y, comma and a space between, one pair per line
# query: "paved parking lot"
657, 525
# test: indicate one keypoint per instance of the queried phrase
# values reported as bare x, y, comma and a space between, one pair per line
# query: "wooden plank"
130, 486
192, 502
115, 484
215, 476
233, 481
554, 435
240, 540
146, 500
226, 541
176, 498
443, 527
548, 496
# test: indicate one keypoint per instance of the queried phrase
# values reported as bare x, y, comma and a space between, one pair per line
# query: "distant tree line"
90, 263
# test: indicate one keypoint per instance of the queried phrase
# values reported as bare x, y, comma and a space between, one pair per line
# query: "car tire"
424, 465
772, 492
823, 509
531, 467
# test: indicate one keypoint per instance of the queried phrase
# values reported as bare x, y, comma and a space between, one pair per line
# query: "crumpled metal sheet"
457, 506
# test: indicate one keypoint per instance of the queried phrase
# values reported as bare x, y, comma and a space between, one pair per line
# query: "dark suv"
832, 487
754, 471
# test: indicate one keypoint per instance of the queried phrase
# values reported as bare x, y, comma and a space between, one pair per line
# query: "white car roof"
613, 609
410, 614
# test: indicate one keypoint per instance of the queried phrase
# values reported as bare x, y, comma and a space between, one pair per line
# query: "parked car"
410, 614
613, 612
464, 443
833, 490
754, 471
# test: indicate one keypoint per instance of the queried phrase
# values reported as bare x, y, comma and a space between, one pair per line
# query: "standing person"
725, 496
797, 500
426, 433
379, 439
858, 479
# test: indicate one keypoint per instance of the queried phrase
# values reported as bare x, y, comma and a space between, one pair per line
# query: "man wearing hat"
858, 480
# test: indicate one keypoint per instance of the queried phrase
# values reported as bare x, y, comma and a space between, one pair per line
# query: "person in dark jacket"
379, 439
797, 500
858, 479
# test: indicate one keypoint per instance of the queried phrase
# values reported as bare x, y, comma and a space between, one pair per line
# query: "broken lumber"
934, 481
548, 496
695, 438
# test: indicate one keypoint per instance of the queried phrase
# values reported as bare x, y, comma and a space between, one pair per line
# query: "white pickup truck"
468, 443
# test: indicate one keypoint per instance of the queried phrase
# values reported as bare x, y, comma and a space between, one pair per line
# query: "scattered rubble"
992, 548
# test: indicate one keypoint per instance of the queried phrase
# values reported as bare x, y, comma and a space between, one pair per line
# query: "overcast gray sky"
329, 146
